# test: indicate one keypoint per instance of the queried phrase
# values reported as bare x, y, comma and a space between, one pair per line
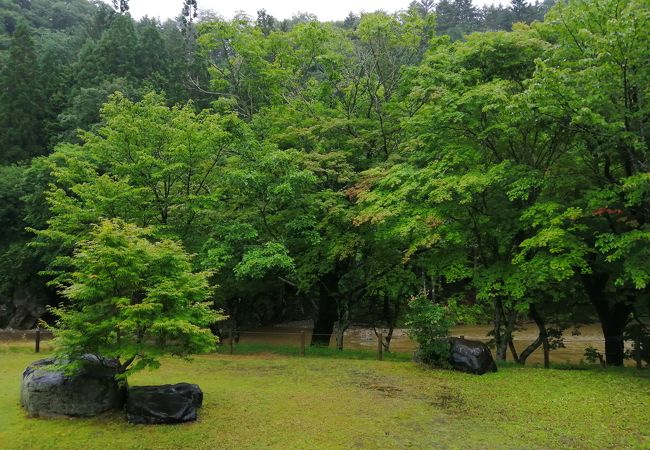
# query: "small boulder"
92, 390
471, 356
169, 403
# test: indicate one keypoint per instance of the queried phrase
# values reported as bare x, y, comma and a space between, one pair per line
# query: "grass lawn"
319, 402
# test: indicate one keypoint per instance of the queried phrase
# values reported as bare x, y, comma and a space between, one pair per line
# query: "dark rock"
169, 403
93, 389
471, 356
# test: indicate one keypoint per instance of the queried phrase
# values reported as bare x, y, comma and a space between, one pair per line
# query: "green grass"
313, 352
284, 402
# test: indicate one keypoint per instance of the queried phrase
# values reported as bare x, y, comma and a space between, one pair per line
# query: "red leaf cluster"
608, 211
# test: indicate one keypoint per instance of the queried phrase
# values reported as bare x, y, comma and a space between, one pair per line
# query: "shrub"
429, 325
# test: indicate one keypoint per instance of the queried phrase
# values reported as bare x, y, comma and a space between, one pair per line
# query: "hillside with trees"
494, 160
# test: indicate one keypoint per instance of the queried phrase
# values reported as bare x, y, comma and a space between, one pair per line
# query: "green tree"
21, 103
148, 164
457, 18
595, 222
474, 160
265, 22
132, 300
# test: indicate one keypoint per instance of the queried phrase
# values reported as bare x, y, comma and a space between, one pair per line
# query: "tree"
474, 161
190, 10
149, 165
21, 105
424, 7
456, 18
595, 223
120, 6
343, 112
522, 11
265, 22
133, 299
23, 291
351, 21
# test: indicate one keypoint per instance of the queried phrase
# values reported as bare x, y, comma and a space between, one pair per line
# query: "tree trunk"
327, 313
343, 323
390, 317
502, 340
233, 315
541, 337
387, 339
613, 317
497, 326
513, 350
341, 326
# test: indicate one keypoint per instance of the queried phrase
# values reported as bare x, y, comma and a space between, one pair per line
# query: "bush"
429, 324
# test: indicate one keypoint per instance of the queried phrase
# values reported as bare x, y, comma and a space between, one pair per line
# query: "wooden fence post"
547, 350
637, 348
302, 343
38, 340
230, 338
380, 347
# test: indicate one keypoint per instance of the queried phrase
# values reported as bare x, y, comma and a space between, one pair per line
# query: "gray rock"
92, 390
169, 403
471, 356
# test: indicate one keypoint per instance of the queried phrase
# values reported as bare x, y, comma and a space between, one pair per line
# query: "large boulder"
49, 392
169, 403
471, 356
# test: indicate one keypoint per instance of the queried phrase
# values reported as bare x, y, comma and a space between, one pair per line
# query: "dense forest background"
494, 158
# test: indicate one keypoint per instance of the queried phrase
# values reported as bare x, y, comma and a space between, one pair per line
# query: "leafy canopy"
133, 299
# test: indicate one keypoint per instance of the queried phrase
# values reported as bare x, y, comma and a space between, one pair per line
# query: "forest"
494, 161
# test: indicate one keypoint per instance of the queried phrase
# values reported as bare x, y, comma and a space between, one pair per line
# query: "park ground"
321, 401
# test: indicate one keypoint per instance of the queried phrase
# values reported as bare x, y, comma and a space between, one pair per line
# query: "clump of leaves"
639, 335
592, 355
429, 325
133, 298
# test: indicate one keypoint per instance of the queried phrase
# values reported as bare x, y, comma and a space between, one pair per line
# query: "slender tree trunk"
343, 323
340, 333
513, 350
613, 317
390, 317
497, 326
507, 334
233, 314
503, 339
542, 336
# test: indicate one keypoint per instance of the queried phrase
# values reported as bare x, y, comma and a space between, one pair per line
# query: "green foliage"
341, 168
592, 355
133, 299
257, 263
148, 164
429, 324
20, 101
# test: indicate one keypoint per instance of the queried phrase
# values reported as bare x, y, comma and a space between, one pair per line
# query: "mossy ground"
320, 402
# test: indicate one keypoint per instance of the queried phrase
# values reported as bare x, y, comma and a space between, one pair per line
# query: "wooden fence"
37, 335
